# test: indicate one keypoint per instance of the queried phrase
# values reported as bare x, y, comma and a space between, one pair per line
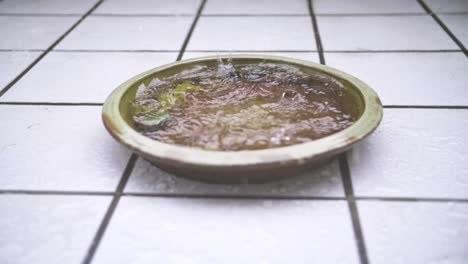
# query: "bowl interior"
355, 105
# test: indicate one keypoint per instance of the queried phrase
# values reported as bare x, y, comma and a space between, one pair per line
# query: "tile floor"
70, 194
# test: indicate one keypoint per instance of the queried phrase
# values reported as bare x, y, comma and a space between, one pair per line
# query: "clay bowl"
239, 166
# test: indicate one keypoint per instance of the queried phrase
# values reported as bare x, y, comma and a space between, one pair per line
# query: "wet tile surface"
58, 77
401, 33
46, 7
128, 33
447, 6
13, 63
409, 78
48, 229
366, 7
262, 33
256, 7
309, 56
58, 148
148, 7
457, 24
416, 232
216, 231
414, 153
26, 32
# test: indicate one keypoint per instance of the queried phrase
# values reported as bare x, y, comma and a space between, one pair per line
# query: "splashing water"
242, 107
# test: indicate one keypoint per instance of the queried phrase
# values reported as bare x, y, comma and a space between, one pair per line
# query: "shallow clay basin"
251, 166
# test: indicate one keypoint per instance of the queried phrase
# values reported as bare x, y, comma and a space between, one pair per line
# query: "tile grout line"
357, 227
142, 15
425, 106
110, 210
412, 199
131, 164
38, 59
227, 15
395, 51
254, 15
115, 51
237, 51
22, 50
372, 14
318, 39
52, 103
54, 192
443, 26
39, 15
343, 163
190, 32
232, 196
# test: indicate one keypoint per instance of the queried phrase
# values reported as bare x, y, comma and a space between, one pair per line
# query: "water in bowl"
232, 107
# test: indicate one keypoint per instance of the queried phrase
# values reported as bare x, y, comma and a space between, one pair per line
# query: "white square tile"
418, 232
414, 153
82, 76
13, 63
440, 6
409, 78
458, 25
366, 7
253, 33
33, 32
58, 148
382, 33
148, 7
256, 7
128, 33
324, 181
46, 7
228, 231
309, 56
48, 229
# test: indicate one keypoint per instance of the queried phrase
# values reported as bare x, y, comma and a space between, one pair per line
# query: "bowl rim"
332, 144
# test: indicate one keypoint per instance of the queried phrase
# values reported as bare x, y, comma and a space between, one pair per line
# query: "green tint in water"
242, 107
